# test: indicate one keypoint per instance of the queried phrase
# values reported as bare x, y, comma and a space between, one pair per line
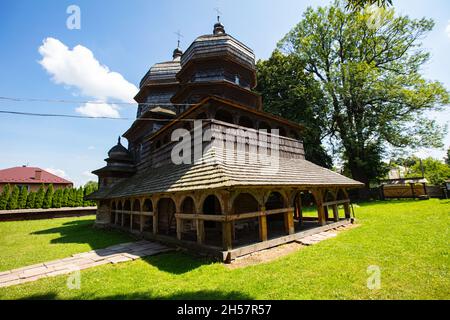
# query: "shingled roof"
28, 175
214, 172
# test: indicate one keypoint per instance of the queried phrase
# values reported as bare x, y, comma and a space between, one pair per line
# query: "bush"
13, 201
39, 197
4, 197
22, 203
48, 197
30, 200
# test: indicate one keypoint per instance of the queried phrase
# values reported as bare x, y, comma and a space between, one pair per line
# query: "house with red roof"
31, 178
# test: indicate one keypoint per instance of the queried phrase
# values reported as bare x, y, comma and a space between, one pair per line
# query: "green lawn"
28, 242
408, 240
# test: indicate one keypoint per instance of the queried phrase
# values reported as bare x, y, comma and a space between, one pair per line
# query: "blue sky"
128, 37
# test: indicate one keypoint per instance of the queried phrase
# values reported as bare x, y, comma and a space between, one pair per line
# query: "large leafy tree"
375, 97
360, 4
288, 91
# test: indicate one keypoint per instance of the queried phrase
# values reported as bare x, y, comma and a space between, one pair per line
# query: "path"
115, 254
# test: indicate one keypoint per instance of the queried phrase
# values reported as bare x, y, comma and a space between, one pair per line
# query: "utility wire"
55, 115
92, 102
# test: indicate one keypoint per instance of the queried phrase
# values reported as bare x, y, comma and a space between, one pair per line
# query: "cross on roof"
179, 35
218, 13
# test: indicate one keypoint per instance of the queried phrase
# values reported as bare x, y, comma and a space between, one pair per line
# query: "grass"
28, 242
408, 240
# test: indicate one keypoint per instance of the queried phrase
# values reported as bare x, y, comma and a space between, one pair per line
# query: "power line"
91, 102
55, 115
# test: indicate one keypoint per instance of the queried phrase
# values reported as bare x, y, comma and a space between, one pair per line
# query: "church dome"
119, 152
163, 71
219, 45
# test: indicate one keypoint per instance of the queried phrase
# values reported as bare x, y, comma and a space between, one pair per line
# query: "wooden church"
228, 201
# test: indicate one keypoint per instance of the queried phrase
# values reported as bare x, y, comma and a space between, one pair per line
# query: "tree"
56, 200
79, 197
22, 202
39, 199
360, 4
4, 197
284, 86
375, 97
47, 203
89, 188
13, 201
65, 198
447, 159
435, 171
30, 200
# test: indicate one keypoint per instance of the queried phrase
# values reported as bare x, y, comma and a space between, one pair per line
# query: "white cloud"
99, 110
78, 68
448, 29
58, 172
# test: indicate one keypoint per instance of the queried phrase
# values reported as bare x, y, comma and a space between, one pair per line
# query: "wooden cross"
179, 35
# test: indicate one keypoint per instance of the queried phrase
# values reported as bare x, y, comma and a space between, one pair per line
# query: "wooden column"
131, 221
117, 218
141, 223
263, 225
200, 224
299, 209
227, 242
325, 211
318, 195
335, 213
179, 228
123, 220
289, 222
346, 205
155, 220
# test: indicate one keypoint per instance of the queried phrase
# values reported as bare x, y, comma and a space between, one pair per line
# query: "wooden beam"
200, 224
141, 223
179, 227
330, 203
335, 213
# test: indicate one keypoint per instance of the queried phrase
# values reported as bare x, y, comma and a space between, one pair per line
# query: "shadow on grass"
184, 295
82, 232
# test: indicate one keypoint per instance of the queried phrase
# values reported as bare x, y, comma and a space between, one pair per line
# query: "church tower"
217, 65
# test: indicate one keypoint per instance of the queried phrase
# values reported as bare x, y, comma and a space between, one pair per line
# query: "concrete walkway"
115, 254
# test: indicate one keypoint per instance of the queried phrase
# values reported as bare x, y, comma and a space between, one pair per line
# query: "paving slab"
115, 254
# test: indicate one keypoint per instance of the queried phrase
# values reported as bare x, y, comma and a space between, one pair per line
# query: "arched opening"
275, 222
166, 217
147, 220
224, 116
213, 229
136, 218
245, 231
246, 122
113, 213
188, 228
264, 126
126, 215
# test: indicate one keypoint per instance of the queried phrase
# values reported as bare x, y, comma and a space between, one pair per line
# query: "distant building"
31, 178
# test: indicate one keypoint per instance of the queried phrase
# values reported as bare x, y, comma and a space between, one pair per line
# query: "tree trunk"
360, 175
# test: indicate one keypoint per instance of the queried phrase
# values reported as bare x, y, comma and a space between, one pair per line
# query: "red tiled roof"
28, 174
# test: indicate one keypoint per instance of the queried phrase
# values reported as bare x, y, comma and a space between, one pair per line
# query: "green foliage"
447, 158
89, 187
289, 92
361, 4
4, 196
48, 197
375, 98
79, 197
13, 201
65, 198
39, 199
57, 196
435, 171
30, 200
22, 202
